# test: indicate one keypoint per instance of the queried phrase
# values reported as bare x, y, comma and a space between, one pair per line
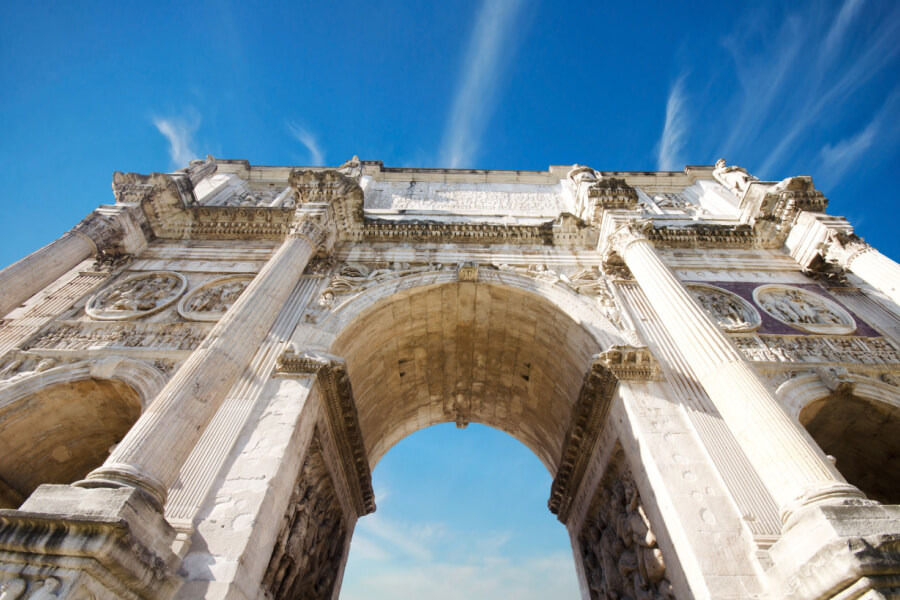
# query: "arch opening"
863, 435
466, 352
467, 507
60, 433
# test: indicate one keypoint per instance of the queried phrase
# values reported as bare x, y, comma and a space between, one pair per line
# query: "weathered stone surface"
230, 349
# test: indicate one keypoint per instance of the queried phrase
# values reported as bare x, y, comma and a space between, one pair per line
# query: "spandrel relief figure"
804, 310
137, 296
731, 312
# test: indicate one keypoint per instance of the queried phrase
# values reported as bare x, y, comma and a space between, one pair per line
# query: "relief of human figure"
733, 177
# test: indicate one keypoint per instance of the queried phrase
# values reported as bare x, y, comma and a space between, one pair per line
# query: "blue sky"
781, 88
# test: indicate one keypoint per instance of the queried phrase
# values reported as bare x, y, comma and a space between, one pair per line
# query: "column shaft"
152, 453
23, 279
792, 466
877, 270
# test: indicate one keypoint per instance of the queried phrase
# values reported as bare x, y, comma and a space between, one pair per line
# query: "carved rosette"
804, 310
211, 301
731, 312
137, 296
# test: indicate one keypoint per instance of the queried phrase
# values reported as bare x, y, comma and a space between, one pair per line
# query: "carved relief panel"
137, 296
730, 311
618, 546
210, 301
306, 558
804, 310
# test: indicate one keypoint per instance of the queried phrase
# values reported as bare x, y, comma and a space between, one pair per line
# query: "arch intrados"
797, 393
580, 308
524, 385
146, 380
61, 430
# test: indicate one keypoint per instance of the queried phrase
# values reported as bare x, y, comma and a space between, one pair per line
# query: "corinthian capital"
628, 233
114, 230
595, 193
316, 226
842, 248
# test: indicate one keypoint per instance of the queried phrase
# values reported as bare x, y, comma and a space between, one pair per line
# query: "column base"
88, 543
836, 551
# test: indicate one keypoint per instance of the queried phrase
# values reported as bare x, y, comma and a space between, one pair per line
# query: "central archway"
466, 352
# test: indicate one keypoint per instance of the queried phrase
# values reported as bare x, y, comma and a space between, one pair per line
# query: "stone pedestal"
80, 544
839, 552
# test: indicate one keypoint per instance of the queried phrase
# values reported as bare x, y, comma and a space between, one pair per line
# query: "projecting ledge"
101, 542
838, 551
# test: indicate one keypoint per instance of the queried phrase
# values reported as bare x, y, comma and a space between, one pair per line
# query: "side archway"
858, 423
59, 424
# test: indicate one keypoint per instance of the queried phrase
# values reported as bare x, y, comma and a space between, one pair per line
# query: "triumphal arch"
197, 380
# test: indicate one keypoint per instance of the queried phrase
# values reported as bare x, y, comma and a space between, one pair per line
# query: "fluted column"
153, 451
873, 267
23, 279
791, 465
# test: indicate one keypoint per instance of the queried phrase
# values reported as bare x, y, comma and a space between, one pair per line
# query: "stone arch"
855, 419
506, 351
57, 425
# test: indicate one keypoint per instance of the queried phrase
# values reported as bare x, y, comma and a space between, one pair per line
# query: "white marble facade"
197, 380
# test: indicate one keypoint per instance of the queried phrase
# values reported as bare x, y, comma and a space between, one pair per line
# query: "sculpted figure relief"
354, 277
210, 301
306, 557
731, 312
803, 310
734, 178
619, 549
137, 296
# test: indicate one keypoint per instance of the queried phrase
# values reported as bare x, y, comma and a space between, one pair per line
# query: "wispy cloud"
672, 142
839, 158
849, 10
484, 578
796, 83
180, 134
489, 50
302, 135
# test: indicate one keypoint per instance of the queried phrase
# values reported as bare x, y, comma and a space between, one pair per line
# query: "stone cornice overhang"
168, 203
342, 419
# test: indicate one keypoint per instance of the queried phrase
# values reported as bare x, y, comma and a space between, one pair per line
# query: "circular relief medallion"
211, 300
804, 310
730, 311
137, 296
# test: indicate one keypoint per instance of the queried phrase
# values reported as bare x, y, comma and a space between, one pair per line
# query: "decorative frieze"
305, 561
589, 416
78, 335
619, 549
844, 350
343, 422
803, 310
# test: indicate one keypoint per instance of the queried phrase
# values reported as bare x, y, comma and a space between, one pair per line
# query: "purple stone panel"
772, 325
